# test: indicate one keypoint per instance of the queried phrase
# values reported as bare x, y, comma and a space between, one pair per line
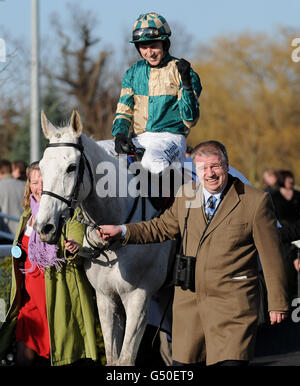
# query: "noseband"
71, 203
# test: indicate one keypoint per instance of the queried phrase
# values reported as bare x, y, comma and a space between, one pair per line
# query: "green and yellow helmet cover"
150, 26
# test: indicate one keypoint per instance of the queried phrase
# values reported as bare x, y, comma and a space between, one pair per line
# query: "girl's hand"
72, 246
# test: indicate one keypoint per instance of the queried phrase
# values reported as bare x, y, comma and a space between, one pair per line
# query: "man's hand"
277, 317
108, 232
184, 68
124, 144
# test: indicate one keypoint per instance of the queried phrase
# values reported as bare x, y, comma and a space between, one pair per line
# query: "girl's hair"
282, 175
30, 168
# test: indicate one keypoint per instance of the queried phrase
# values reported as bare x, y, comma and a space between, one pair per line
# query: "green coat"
71, 309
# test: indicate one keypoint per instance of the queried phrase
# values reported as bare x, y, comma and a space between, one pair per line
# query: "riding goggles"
143, 34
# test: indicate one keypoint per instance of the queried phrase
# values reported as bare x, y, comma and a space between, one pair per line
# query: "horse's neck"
104, 210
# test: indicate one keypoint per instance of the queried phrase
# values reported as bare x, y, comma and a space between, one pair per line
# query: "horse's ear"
48, 128
75, 122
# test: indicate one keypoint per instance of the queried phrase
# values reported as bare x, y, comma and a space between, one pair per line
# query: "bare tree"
8, 127
249, 101
14, 91
84, 73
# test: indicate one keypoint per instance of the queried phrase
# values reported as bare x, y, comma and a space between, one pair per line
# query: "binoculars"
184, 272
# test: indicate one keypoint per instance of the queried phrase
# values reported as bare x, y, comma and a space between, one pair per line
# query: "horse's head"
62, 168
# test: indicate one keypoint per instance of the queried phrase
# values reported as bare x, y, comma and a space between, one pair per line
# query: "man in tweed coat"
217, 323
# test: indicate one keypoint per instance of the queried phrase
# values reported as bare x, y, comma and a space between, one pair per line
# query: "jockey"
159, 98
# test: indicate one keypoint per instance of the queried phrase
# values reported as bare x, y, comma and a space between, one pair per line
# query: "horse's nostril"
47, 229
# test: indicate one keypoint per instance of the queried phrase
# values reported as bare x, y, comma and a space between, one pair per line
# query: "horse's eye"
71, 168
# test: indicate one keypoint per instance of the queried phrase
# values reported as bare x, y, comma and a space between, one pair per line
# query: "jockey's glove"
124, 144
184, 68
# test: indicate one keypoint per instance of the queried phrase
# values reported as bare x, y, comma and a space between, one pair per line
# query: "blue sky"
202, 19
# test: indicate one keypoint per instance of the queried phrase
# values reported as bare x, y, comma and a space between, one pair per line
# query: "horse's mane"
104, 147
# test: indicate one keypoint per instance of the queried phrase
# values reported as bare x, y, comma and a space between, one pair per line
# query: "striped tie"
210, 207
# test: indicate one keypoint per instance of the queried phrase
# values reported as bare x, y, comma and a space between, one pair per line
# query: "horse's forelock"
64, 131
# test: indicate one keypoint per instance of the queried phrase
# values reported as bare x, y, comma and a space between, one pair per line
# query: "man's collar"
207, 194
220, 195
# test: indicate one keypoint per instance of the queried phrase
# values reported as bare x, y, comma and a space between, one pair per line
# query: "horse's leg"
112, 319
136, 306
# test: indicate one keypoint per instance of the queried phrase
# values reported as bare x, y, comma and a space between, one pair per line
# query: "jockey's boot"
163, 187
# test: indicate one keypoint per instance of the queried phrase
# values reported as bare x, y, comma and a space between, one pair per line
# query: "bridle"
72, 202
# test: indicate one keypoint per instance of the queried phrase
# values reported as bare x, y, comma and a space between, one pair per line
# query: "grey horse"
77, 170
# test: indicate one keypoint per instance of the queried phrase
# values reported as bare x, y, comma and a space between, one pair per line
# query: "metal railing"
6, 236
5, 249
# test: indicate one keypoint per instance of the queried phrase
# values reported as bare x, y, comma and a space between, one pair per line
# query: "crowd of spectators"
286, 199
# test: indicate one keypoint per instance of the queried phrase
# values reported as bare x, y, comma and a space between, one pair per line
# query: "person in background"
188, 166
228, 223
11, 196
289, 234
19, 170
52, 312
287, 209
286, 199
270, 184
188, 152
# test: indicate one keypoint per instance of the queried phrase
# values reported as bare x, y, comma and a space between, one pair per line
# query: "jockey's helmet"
149, 27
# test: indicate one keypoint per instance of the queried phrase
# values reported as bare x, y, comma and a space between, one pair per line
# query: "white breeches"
161, 150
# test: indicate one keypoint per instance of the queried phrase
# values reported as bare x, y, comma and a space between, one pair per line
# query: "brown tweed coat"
219, 321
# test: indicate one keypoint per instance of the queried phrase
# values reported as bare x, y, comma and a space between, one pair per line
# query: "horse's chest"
104, 277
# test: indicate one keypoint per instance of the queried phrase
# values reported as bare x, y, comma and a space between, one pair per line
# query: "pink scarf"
41, 254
